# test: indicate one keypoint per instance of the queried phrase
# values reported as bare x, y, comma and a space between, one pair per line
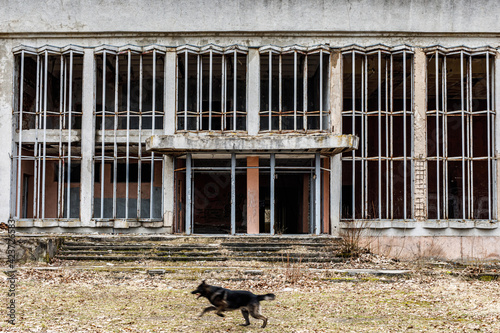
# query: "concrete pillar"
168, 192
6, 133
88, 140
252, 195
170, 97
420, 136
336, 127
253, 92
325, 179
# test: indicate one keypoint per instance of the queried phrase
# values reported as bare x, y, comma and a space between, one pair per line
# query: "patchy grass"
129, 300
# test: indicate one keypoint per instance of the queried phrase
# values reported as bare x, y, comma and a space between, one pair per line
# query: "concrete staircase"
285, 249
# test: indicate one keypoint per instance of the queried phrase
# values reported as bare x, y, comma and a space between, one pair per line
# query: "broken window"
460, 133
294, 88
128, 109
47, 113
211, 88
378, 108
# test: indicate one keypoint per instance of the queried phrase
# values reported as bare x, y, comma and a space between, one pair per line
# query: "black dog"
223, 299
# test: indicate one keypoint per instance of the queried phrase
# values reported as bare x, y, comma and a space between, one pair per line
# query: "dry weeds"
114, 299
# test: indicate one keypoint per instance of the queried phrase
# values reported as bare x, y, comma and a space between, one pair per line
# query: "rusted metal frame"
353, 129
444, 133
272, 194
405, 164
470, 143
139, 150
210, 71
462, 97
127, 148
304, 90
44, 152
379, 118
224, 125
270, 88
295, 90
70, 154
103, 125
364, 108
199, 95
189, 176
320, 90
20, 138
115, 134
437, 137
186, 87
61, 116
36, 188
233, 193
388, 142
153, 126
488, 122
412, 137
235, 89
280, 109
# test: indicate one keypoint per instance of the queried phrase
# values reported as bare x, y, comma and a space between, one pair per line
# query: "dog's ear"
203, 283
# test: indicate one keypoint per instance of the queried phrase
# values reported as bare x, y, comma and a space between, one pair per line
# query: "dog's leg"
221, 308
244, 312
210, 308
255, 312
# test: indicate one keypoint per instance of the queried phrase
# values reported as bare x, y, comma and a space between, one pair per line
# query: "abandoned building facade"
213, 118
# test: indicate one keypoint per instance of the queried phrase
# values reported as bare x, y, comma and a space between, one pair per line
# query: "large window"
378, 107
128, 109
47, 113
294, 88
211, 88
460, 133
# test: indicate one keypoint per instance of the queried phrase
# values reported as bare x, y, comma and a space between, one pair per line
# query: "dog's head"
202, 290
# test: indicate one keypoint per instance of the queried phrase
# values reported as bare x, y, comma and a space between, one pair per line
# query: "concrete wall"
84, 16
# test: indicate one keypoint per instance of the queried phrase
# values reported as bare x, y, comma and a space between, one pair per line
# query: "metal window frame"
121, 139
64, 136
226, 53
467, 115
407, 158
269, 51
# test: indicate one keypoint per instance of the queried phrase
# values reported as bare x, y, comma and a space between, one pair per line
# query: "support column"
253, 92
169, 93
7, 179
168, 192
336, 127
188, 221
420, 136
325, 179
88, 140
252, 195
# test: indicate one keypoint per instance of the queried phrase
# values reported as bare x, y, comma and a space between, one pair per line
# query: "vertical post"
336, 127
87, 139
420, 134
252, 195
168, 192
233, 193
253, 91
317, 199
273, 178
170, 92
103, 126
189, 177
20, 138
496, 101
70, 113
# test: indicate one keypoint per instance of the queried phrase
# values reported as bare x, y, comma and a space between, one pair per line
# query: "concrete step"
196, 248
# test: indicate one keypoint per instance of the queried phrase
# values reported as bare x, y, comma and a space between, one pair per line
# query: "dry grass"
117, 300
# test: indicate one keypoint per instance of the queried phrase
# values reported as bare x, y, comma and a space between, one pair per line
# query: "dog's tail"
266, 297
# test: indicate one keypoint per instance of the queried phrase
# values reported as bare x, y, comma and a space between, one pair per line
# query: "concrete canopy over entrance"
274, 184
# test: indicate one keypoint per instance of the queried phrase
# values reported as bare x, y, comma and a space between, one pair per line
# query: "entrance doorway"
255, 194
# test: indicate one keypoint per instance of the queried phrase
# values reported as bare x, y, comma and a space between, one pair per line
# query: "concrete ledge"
324, 143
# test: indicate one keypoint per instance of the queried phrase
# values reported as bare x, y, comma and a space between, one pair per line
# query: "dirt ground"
124, 297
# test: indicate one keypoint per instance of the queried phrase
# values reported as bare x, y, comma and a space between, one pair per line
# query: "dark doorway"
292, 208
